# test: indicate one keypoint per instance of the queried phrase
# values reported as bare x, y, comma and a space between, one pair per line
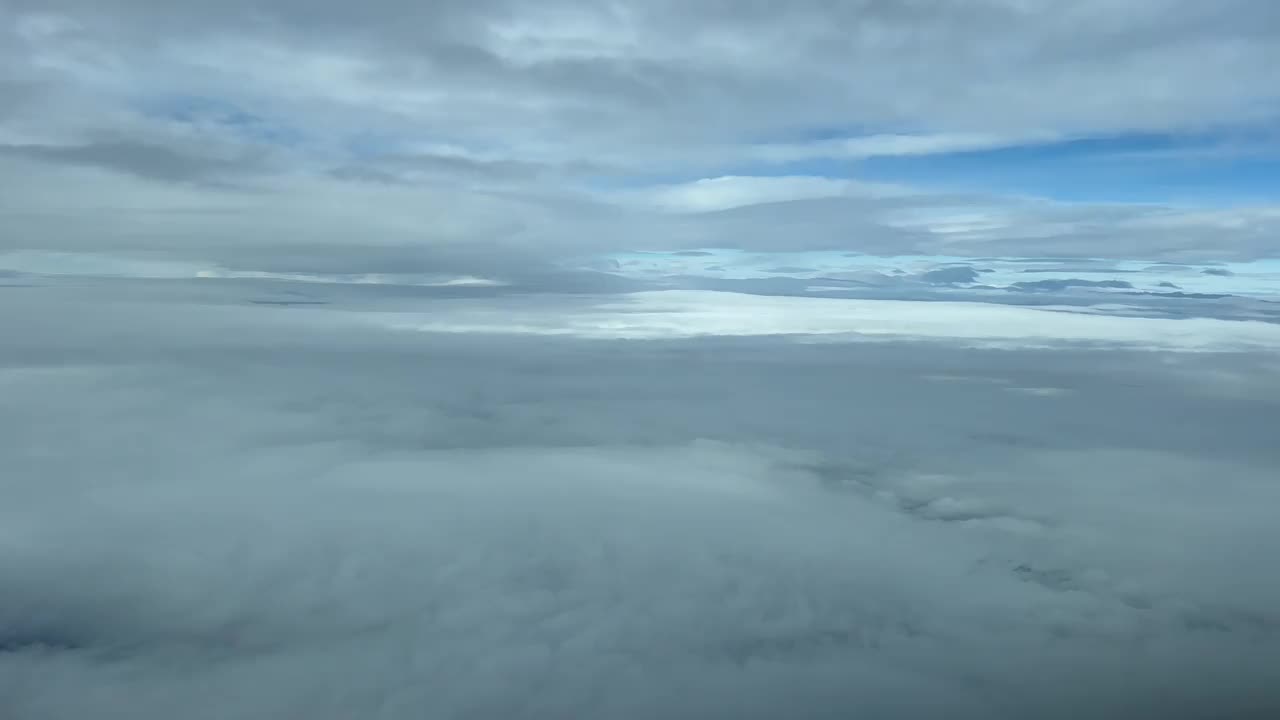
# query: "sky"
498, 136
639, 358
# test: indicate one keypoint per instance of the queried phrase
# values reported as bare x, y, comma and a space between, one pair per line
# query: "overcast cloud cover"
639, 359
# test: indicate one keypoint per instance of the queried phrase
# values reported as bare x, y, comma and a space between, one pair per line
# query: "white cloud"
684, 314
730, 191
872, 146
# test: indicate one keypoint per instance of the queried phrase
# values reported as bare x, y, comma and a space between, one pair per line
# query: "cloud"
723, 193
683, 314
148, 161
1251, 293
1040, 285
665, 65
317, 130
951, 275
872, 146
278, 511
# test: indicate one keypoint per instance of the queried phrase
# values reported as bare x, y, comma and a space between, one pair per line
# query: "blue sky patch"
1208, 168
197, 110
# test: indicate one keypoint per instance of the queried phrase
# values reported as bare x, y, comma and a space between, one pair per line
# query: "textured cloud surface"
222, 509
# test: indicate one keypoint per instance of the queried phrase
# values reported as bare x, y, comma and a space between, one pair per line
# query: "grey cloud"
501, 226
821, 224
154, 162
863, 277
405, 169
426, 167
790, 269
323, 225
354, 521
1192, 295
553, 102
1070, 233
670, 69
950, 275
1100, 268
1040, 285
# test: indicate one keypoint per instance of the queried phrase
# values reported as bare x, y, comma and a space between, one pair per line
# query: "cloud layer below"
221, 509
